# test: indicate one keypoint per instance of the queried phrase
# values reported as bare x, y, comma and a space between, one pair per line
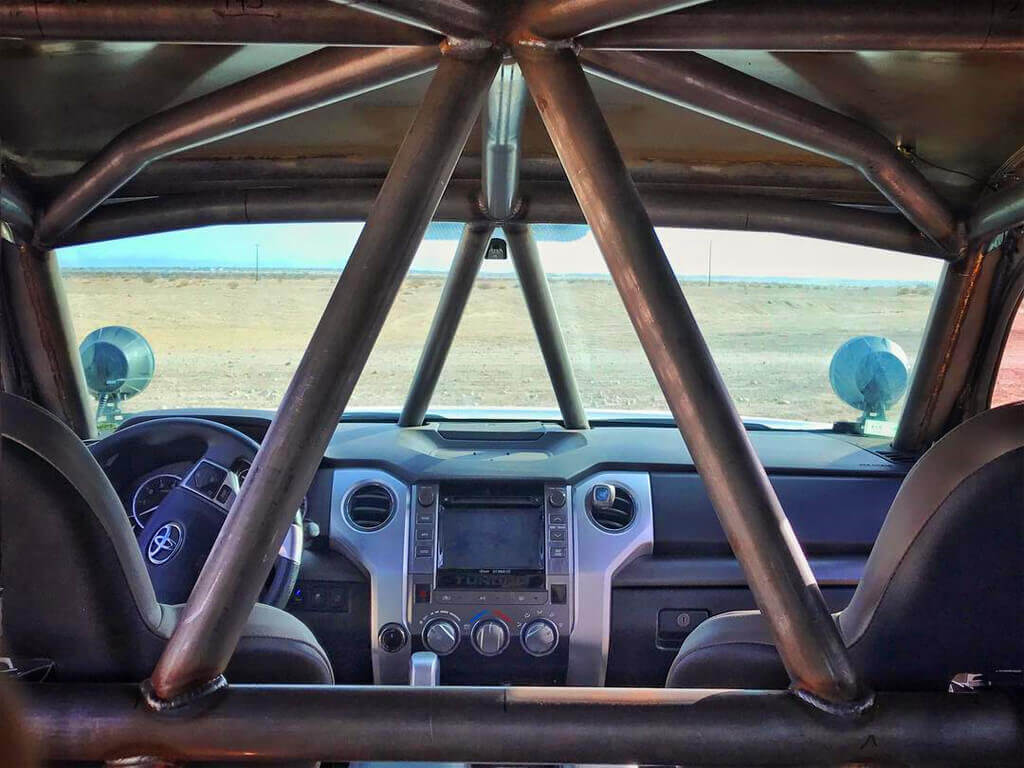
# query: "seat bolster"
275, 647
731, 650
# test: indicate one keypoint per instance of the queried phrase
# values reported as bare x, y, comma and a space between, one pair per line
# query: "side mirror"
869, 373
119, 364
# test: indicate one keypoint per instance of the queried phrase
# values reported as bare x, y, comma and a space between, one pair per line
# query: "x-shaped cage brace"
539, 38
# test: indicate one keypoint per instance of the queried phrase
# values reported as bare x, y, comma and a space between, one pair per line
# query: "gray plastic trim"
598, 556
382, 554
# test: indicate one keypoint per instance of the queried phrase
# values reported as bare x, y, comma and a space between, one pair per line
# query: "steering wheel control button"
556, 497
392, 638
539, 638
490, 637
441, 636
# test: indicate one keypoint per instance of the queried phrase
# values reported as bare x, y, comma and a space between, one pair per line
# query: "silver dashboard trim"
382, 554
598, 556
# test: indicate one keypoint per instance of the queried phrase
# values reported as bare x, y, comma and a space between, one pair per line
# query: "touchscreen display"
491, 547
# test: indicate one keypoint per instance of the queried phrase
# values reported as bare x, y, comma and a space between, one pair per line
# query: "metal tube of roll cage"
761, 537
788, 25
537, 293
499, 172
463, 272
548, 202
698, 83
43, 319
339, 202
227, 587
948, 348
561, 19
206, 21
506, 100
652, 726
997, 212
823, 183
682, 207
810, 25
457, 18
502, 152
16, 209
320, 78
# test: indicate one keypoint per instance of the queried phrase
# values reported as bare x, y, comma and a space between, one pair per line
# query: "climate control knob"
539, 637
490, 637
441, 636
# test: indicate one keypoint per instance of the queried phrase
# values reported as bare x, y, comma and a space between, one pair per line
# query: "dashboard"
523, 553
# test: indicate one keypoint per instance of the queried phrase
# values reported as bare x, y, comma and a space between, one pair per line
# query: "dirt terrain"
226, 339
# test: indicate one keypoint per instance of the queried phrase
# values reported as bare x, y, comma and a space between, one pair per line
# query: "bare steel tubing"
525, 725
227, 587
180, 174
457, 288
560, 19
320, 78
761, 537
334, 203
544, 316
698, 83
545, 202
503, 125
205, 21
16, 208
810, 25
997, 212
46, 336
947, 351
456, 18
666, 206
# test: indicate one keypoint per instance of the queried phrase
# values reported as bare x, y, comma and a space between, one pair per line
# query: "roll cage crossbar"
830, 715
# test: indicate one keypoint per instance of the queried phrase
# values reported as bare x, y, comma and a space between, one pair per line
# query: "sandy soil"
228, 340
1010, 381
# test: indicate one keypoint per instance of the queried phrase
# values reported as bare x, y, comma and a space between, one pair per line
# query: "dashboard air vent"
370, 507
616, 517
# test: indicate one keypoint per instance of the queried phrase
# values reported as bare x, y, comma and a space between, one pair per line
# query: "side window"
1009, 386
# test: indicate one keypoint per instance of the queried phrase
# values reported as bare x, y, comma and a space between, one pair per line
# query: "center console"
506, 581
490, 580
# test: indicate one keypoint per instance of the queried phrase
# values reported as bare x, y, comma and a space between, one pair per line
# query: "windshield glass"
227, 311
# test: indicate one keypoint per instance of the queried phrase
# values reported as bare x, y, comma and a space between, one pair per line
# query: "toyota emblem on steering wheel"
165, 543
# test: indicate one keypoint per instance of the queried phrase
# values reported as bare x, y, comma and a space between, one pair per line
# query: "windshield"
227, 312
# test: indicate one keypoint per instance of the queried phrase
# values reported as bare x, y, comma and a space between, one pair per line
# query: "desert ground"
226, 339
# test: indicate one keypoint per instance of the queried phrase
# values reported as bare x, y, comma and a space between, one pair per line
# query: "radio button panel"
512, 609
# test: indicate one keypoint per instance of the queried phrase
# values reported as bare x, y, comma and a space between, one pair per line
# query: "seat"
75, 588
941, 592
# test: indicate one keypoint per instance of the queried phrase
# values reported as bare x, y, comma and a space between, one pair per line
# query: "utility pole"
257, 263
710, 243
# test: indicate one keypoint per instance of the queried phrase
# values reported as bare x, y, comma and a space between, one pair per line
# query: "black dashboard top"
549, 452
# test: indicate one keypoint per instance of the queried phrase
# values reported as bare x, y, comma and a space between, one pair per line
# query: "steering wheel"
181, 531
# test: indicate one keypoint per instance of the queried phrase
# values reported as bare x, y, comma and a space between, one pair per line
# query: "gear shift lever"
424, 669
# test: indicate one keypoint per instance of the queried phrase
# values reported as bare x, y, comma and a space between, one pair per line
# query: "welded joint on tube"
156, 704
516, 212
834, 707
525, 39
468, 48
141, 761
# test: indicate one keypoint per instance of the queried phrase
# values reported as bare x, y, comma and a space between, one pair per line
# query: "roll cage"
497, 55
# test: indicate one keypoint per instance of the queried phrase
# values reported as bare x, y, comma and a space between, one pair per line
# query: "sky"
564, 250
